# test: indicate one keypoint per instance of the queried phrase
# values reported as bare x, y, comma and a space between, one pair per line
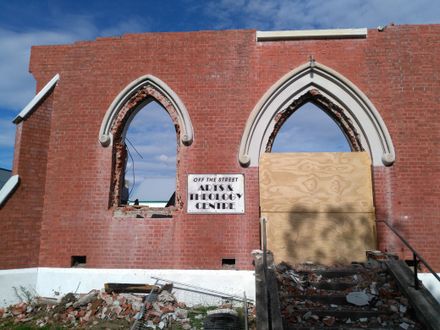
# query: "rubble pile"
353, 296
75, 311
101, 310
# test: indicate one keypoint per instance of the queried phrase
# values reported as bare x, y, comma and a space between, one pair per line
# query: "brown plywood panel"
316, 182
326, 238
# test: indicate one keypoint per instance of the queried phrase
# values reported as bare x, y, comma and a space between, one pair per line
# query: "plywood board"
326, 238
319, 206
316, 182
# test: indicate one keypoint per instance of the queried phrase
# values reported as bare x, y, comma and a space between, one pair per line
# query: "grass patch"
13, 326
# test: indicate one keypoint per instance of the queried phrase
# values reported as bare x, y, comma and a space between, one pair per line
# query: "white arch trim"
8, 188
187, 134
373, 134
27, 110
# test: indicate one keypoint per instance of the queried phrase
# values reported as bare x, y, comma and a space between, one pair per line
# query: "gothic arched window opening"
150, 169
310, 129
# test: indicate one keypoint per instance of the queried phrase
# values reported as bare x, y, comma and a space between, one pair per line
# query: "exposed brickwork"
119, 151
220, 76
20, 217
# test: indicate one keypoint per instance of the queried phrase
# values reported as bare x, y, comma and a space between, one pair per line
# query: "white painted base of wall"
431, 283
56, 282
14, 281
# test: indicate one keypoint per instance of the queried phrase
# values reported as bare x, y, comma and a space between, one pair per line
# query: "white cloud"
309, 129
153, 112
7, 140
154, 189
167, 160
8, 129
163, 158
299, 14
130, 25
147, 167
151, 138
152, 134
17, 86
154, 141
146, 149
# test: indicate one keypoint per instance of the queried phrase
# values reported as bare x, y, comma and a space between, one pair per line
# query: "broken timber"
130, 288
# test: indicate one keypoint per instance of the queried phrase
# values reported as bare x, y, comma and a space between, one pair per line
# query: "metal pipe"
416, 279
222, 294
419, 257
245, 311
207, 293
264, 243
137, 322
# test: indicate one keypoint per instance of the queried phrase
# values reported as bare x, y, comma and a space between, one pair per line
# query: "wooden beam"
130, 288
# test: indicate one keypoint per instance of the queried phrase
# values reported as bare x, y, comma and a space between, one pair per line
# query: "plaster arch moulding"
373, 134
187, 134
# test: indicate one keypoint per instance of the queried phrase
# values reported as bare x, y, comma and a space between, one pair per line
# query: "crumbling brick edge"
144, 95
330, 108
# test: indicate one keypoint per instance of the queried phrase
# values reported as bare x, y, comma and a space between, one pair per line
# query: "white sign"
215, 193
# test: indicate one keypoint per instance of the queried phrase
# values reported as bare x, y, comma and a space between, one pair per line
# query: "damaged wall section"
220, 76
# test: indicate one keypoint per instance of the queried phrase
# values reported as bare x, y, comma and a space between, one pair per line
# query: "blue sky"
39, 22
151, 143
309, 129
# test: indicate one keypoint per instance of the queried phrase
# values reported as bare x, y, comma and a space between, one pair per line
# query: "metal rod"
420, 258
264, 243
221, 294
150, 296
134, 147
245, 311
208, 293
137, 322
416, 280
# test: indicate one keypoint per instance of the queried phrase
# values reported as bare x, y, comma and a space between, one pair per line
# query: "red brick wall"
21, 215
219, 76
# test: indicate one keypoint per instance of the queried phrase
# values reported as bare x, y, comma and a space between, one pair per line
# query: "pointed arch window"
135, 127
150, 167
336, 95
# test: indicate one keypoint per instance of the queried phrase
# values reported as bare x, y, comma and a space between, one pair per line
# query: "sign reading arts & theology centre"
215, 193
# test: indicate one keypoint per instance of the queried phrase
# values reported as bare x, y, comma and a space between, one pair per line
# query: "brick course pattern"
61, 207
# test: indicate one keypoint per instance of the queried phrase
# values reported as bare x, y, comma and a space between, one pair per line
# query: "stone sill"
311, 34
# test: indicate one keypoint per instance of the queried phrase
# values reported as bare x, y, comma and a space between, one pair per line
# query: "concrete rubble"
361, 295
101, 310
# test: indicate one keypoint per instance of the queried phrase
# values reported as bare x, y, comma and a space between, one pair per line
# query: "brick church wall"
61, 207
